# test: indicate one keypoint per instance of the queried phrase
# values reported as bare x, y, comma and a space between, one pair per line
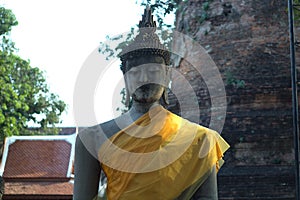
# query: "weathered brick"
248, 40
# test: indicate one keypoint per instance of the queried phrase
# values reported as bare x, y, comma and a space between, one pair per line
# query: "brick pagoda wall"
249, 42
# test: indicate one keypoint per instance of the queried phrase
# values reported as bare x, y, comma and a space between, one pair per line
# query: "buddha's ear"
165, 96
168, 76
166, 86
127, 94
127, 98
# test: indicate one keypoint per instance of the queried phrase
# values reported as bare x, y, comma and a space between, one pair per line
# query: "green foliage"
113, 45
161, 9
232, 80
297, 11
24, 94
204, 15
125, 108
7, 21
205, 6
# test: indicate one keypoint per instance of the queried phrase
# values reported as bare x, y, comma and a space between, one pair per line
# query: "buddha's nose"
144, 76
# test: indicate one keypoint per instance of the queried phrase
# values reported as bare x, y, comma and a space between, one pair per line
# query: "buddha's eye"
134, 71
154, 69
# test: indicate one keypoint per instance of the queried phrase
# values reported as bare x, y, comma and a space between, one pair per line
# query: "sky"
57, 36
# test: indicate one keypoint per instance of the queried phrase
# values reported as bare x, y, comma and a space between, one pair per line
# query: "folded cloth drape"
159, 156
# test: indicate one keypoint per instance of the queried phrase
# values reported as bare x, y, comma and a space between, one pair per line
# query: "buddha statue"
148, 152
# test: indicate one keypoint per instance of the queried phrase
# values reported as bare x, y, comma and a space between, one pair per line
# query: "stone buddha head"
145, 64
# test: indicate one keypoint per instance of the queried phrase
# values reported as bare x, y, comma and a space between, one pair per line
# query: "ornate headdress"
146, 42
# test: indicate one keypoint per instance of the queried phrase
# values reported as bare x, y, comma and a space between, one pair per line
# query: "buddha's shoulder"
106, 129
197, 127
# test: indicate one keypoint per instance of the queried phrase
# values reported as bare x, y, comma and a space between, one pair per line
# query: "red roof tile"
37, 159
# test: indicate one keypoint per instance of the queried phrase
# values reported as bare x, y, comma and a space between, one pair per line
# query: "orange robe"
159, 156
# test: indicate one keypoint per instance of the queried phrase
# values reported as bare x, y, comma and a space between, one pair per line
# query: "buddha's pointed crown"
147, 19
146, 42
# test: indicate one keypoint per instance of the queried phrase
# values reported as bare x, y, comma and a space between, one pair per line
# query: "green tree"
24, 94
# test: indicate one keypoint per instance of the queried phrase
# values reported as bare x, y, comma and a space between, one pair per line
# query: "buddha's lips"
148, 87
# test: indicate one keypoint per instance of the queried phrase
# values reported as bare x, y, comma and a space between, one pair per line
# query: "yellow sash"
159, 156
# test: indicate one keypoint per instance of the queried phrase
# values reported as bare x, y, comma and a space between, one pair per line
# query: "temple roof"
36, 166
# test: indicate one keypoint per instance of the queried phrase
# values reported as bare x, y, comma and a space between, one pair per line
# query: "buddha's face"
145, 78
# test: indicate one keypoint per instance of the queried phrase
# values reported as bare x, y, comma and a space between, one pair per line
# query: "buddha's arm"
204, 190
87, 173
209, 189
